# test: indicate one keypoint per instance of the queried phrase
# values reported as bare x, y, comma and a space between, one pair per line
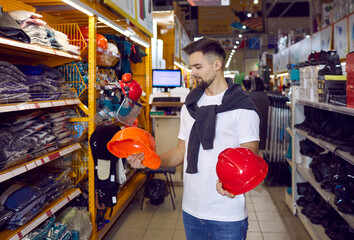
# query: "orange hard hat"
126, 77
132, 140
240, 170
102, 41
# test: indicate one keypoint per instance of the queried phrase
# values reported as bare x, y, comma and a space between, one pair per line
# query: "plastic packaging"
128, 111
77, 219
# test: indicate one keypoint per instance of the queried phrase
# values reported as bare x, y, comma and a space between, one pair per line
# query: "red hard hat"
84, 31
132, 140
135, 90
240, 170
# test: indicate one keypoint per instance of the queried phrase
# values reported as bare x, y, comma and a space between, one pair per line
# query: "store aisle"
269, 219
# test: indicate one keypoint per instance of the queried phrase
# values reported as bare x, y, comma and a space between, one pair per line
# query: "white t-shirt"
200, 198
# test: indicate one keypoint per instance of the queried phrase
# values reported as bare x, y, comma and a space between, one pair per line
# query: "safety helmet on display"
134, 91
112, 48
84, 32
101, 41
132, 140
240, 170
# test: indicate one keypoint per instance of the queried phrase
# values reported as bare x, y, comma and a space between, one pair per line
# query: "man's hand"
222, 191
134, 160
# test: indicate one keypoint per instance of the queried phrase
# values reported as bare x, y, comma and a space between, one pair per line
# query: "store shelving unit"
328, 196
22, 53
315, 231
301, 173
328, 146
29, 165
48, 211
34, 54
37, 105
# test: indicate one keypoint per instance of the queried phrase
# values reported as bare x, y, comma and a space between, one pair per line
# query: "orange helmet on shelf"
132, 140
240, 170
101, 41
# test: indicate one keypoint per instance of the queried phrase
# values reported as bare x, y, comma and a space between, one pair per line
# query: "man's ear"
217, 64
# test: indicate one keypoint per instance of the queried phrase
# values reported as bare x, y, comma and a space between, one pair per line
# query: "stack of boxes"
349, 68
331, 89
309, 83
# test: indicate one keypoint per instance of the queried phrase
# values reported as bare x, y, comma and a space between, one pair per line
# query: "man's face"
202, 69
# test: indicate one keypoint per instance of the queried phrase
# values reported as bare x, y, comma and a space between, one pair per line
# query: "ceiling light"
249, 15
237, 42
140, 41
240, 35
307, 36
78, 7
244, 27
114, 26
255, 1
235, 47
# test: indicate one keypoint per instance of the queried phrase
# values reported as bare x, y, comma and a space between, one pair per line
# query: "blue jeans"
200, 229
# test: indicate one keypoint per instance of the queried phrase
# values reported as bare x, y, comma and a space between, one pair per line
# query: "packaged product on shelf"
41, 33
32, 135
77, 219
28, 194
9, 28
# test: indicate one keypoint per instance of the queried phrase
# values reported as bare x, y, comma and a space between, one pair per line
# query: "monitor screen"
166, 78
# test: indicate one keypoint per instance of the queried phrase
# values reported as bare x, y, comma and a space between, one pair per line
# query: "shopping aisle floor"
269, 218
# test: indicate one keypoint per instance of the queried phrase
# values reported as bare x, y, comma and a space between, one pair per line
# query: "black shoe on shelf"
302, 188
333, 65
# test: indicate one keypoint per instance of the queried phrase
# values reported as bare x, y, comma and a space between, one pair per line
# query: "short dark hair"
206, 45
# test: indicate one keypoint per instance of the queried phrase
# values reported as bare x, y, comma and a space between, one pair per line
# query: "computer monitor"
166, 78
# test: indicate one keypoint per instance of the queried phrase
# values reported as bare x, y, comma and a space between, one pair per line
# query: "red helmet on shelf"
84, 30
132, 140
134, 91
240, 170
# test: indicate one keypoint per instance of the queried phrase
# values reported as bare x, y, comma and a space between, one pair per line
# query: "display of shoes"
332, 65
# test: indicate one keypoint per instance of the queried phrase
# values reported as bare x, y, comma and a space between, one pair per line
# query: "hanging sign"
139, 12
326, 38
340, 33
123, 7
316, 42
144, 14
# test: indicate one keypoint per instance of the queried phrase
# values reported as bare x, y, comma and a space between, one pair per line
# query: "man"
214, 117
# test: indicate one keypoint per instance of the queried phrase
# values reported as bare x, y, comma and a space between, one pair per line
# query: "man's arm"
171, 158
251, 145
174, 156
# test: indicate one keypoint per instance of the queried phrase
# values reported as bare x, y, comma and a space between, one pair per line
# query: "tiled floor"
269, 219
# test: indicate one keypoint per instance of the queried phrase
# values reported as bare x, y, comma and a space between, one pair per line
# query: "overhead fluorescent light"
282, 74
114, 26
78, 7
180, 65
140, 41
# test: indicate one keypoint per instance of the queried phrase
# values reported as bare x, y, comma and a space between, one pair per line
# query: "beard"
205, 84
